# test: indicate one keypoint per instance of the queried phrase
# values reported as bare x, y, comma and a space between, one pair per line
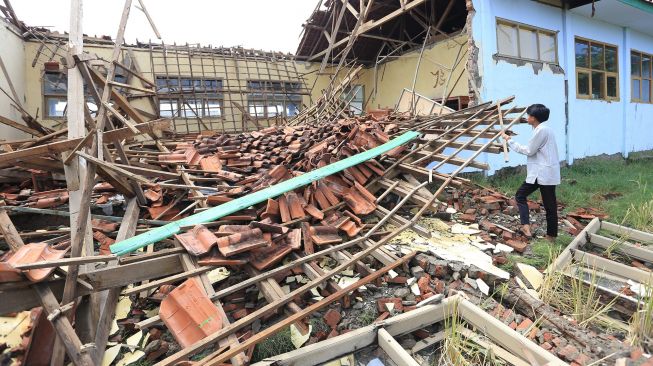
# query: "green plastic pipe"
157, 234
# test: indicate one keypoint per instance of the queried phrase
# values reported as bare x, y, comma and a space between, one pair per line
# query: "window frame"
588, 70
266, 96
347, 93
537, 31
183, 90
641, 77
60, 96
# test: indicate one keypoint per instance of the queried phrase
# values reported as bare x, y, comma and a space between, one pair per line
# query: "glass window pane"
646, 66
92, 107
186, 84
56, 106
191, 109
212, 108
168, 107
55, 83
356, 108
635, 64
583, 83
256, 110
292, 109
507, 40
636, 93
275, 109
611, 59
547, 47
596, 51
582, 54
528, 44
646, 90
597, 85
120, 79
611, 86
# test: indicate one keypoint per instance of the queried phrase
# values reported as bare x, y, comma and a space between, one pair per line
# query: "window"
55, 94
355, 96
271, 99
177, 84
526, 42
597, 70
641, 77
186, 97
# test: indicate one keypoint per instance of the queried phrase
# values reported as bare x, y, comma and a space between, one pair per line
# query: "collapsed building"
184, 202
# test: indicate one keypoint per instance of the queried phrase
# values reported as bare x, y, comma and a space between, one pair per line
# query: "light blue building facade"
591, 65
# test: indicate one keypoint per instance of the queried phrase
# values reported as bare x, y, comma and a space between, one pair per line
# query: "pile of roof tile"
249, 162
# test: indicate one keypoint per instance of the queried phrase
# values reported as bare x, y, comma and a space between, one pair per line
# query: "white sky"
271, 25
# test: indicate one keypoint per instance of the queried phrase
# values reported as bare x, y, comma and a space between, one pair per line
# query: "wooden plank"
124, 275
371, 24
109, 299
25, 298
9, 232
628, 232
67, 262
65, 332
61, 146
601, 264
500, 352
18, 126
149, 19
639, 252
394, 349
218, 359
502, 334
167, 280
566, 256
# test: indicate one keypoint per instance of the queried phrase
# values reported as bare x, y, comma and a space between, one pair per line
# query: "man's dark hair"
539, 111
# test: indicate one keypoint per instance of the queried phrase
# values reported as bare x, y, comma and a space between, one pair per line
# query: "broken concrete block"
531, 274
417, 271
402, 292
482, 286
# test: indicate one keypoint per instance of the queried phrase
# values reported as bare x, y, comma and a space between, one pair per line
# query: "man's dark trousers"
550, 205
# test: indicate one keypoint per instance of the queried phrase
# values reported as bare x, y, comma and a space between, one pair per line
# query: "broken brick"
468, 217
583, 359
381, 304
332, 318
525, 324
517, 245
568, 353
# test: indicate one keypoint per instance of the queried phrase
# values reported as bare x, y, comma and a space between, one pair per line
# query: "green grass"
274, 345
540, 253
588, 181
622, 188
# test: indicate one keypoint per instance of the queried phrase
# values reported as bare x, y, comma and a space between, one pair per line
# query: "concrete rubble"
134, 243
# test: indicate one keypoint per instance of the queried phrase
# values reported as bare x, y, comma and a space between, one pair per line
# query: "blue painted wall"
594, 127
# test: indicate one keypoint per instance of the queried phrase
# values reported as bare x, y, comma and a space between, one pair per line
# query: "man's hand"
505, 136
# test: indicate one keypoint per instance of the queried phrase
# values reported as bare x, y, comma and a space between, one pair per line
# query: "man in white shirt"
543, 170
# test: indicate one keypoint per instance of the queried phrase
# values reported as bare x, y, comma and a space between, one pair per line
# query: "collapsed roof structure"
184, 236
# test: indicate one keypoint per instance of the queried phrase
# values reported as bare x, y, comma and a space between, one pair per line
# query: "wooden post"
505, 145
110, 297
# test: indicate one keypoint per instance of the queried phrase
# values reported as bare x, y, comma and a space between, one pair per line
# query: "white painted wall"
501, 79
12, 50
639, 116
594, 127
